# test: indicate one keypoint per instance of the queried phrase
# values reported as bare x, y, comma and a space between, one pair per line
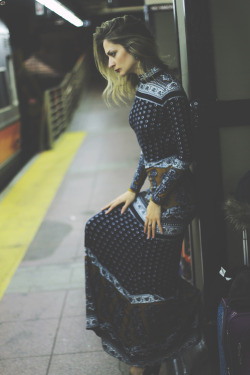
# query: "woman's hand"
153, 218
126, 198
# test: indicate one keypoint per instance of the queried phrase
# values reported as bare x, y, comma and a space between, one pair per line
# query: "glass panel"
4, 92
161, 21
12, 80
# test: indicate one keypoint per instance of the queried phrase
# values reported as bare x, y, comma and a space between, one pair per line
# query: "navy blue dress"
136, 301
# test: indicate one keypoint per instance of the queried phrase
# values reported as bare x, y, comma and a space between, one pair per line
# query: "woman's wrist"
132, 191
157, 204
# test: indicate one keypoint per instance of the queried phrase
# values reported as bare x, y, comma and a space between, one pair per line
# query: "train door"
215, 69
161, 18
214, 56
10, 125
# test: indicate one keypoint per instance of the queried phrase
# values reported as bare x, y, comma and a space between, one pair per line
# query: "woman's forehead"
108, 46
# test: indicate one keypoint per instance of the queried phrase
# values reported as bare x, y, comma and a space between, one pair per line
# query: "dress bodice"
161, 120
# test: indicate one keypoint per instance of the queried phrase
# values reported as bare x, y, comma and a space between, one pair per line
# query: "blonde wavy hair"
134, 36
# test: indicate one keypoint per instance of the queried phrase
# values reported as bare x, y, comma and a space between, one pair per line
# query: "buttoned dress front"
135, 300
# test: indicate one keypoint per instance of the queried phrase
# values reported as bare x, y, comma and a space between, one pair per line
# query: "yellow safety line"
24, 207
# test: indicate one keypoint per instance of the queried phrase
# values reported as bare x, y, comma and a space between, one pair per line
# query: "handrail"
61, 101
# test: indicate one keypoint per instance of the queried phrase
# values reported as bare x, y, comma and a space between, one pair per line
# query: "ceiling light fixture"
62, 11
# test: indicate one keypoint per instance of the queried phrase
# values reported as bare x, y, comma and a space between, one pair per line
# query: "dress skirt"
135, 300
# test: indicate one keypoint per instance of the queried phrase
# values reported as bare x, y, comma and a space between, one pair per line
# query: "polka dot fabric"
160, 117
135, 300
141, 266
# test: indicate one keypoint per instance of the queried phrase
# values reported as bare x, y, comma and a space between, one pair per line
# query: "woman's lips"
117, 70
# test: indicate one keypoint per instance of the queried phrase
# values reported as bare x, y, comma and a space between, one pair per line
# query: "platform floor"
42, 315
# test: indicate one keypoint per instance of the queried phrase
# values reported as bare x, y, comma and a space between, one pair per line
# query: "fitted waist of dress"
170, 161
155, 175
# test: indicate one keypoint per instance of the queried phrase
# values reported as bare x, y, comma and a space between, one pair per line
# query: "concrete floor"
42, 330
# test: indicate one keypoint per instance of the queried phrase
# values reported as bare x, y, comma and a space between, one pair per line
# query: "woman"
136, 302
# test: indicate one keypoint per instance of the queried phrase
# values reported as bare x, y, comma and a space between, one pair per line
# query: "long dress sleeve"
176, 111
139, 176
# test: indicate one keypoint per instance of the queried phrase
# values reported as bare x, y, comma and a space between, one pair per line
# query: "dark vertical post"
208, 173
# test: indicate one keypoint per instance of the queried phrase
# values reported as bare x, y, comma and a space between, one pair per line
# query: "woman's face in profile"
120, 60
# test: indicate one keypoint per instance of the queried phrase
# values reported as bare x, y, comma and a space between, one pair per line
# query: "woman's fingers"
153, 218
160, 226
149, 230
112, 206
150, 227
110, 209
153, 229
127, 198
107, 206
104, 208
124, 207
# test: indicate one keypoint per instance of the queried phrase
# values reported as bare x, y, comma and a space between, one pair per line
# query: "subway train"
10, 122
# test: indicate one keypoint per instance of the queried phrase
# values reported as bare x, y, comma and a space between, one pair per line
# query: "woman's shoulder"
169, 84
160, 88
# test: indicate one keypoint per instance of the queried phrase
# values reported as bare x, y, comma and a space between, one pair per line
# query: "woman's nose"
111, 62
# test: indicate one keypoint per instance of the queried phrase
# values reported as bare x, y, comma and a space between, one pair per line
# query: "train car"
10, 123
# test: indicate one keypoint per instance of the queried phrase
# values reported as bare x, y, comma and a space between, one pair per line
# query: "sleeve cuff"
156, 200
132, 191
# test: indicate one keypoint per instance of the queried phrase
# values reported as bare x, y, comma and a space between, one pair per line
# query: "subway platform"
42, 216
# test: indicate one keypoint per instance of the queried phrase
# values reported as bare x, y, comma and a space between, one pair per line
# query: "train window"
4, 92
12, 80
161, 21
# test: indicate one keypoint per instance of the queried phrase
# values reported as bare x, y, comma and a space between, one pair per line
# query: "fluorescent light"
62, 11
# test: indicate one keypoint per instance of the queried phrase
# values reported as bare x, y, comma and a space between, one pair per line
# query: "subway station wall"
231, 31
231, 40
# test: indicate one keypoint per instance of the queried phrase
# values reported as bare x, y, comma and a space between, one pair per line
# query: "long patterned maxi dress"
136, 301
